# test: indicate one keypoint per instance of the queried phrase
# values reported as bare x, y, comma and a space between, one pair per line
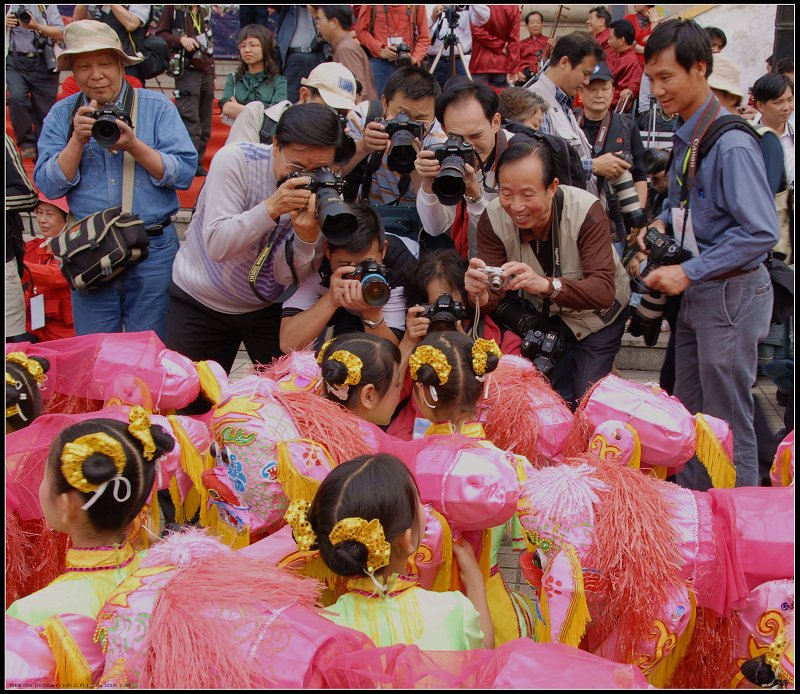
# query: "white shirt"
787, 142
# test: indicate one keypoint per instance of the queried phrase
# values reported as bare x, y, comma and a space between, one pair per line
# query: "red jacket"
495, 45
528, 49
627, 75
640, 34
42, 275
602, 39
394, 22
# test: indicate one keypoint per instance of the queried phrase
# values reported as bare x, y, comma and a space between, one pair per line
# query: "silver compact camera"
495, 275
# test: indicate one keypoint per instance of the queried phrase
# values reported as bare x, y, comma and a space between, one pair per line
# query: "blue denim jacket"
98, 183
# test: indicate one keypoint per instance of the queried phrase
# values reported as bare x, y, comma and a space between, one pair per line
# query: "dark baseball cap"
602, 72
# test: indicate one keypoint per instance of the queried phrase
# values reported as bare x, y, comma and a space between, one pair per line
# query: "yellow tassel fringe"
209, 386
295, 485
72, 670
441, 583
709, 451
636, 457
578, 615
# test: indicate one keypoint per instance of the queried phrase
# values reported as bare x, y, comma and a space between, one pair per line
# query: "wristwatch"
470, 199
373, 323
555, 287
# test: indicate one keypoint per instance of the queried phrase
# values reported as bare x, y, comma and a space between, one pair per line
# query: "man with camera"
187, 31
458, 177
32, 31
450, 30
723, 203
254, 236
85, 140
618, 156
405, 123
358, 288
396, 36
553, 243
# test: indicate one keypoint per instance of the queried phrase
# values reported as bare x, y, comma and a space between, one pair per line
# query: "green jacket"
254, 87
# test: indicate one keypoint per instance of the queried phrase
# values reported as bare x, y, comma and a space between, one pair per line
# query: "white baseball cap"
335, 84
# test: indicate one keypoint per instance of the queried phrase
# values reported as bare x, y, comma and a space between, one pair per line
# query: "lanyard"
197, 21
688, 173
602, 134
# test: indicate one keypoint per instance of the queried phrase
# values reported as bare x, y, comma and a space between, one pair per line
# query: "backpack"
569, 168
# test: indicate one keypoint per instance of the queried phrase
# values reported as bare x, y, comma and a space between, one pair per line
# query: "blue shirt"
98, 183
732, 209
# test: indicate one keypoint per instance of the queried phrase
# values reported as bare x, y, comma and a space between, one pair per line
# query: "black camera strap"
127, 106
555, 246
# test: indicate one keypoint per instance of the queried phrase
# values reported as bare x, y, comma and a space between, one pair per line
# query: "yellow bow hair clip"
33, 367
297, 518
370, 534
322, 350
75, 453
480, 349
353, 365
140, 429
425, 354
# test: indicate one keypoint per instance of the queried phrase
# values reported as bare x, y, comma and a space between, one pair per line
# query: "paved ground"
508, 558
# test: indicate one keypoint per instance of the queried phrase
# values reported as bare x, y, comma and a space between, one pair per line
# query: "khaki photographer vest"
576, 206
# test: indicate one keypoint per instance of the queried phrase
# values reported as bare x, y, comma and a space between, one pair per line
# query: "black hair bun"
492, 362
44, 363
427, 375
334, 372
348, 558
99, 468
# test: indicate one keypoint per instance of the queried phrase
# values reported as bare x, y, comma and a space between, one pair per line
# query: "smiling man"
727, 294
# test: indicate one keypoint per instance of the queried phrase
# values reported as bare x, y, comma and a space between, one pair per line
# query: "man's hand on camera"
82, 123
655, 224
375, 138
609, 165
388, 53
347, 294
127, 139
476, 282
668, 279
304, 221
189, 44
521, 276
290, 195
427, 166
11, 21
416, 325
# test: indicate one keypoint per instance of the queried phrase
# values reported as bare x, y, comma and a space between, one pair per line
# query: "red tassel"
711, 661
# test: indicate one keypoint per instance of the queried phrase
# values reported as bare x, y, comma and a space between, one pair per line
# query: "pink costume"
782, 471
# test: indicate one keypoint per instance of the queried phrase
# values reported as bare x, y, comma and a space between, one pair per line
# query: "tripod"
450, 41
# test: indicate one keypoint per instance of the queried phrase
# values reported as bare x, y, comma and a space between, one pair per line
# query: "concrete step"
637, 356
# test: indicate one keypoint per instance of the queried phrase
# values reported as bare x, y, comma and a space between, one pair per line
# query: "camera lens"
402, 152
624, 188
106, 131
449, 185
335, 217
375, 289
24, 17
646, 320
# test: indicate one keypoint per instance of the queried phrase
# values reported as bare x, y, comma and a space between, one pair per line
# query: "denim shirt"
732, 209
98, 182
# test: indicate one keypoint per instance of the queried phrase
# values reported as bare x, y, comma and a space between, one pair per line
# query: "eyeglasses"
291, 165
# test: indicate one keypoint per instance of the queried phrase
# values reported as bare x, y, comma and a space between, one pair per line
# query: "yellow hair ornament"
323, 349
140, 429
353, 364
368, 534
425, 354
33, 367
480, 349
76, 452
297, 518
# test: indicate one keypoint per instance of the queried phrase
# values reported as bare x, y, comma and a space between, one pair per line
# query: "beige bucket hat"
725, 76
88, 36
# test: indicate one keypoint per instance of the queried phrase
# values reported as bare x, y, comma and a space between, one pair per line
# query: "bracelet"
373, 323
470, 199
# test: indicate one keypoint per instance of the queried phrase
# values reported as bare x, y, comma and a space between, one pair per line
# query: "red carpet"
187, 198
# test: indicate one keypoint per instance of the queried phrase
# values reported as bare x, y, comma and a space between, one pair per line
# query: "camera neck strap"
131, 101
555, 246
686, 176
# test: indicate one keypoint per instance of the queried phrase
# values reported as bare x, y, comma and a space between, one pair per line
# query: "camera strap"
555, 246
128, 105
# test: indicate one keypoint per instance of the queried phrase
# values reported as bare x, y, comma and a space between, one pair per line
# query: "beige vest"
576, 206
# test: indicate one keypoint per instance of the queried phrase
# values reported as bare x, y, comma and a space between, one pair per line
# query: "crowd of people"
460, 225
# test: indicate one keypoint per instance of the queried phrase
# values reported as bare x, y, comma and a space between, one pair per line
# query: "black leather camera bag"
96, 249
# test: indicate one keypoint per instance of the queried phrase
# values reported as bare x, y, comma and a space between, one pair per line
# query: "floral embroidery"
270, 471
236, 474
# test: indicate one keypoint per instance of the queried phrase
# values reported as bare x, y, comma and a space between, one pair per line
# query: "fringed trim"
485, 561
295, 484
577, 616
662, 674
310, 564
541, 632
441, 583
209, 386
710, 452
175, 496
636, 457
72, 669
192, 462
782, 467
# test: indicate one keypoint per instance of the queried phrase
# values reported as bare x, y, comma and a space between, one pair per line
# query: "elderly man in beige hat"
331, 84
73, 163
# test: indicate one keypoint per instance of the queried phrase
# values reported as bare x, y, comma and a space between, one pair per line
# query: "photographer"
352, 291
395, 36
553, 243
446, 18
253, 235
618, 157
30, 69
470, 111
409, 96
73, 163
187, 32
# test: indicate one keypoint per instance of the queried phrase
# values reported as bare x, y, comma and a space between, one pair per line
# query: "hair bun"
348, 558
334, 372
427, 376
163, 441
98, 468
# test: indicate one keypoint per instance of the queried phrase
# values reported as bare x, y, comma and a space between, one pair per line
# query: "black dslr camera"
453, 155
403, 58
106, 130
336, 219
23, 16
542, 336
402, 148
646, 320
374, 282
444, 314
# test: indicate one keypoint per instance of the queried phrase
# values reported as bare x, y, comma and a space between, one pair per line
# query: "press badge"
37, 311
685, 238
394, 40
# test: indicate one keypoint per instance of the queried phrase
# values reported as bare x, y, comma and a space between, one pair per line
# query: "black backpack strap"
718, 128
267, 130
373, 162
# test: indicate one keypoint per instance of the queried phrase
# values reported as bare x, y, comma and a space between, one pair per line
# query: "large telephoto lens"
646, 320
402, 152
624, 188
335, 217
449, 185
